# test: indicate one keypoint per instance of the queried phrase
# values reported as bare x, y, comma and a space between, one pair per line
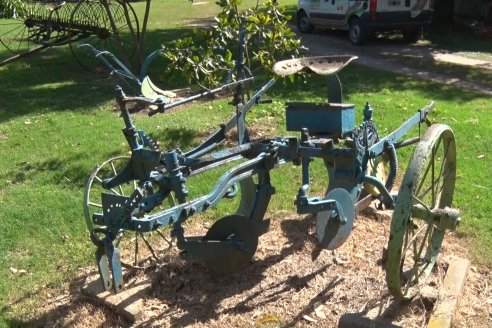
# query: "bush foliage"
208, 55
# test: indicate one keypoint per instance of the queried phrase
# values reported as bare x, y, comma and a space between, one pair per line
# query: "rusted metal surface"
428, 183
322, 65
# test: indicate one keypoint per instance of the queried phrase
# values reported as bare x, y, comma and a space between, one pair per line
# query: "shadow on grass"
71, 170
63, 311
52, 81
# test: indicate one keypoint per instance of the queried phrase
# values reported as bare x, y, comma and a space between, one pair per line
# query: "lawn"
58, 121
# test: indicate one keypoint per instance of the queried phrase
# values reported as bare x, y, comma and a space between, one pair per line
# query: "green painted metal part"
428, 186
239, 230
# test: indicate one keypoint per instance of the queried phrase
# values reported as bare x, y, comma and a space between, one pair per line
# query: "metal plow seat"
322, 65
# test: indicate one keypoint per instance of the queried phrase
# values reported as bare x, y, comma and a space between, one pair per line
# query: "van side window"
393, 2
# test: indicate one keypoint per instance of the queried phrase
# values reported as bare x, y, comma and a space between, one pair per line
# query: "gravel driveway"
381, 54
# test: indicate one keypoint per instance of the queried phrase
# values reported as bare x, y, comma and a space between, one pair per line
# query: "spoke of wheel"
423, 178
149, 246
112, 189
414, 271
424, 242
415, 235
22, 38
95, 204
435, 180
164, 237
122, 193
18, 27
441, 171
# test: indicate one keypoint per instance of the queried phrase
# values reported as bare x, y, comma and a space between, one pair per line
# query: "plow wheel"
138, 249
107, 25
415, 240
242, 232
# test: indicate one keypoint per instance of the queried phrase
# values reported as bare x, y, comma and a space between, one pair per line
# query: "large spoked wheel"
22, 35
138, 250
106, 25
428, 183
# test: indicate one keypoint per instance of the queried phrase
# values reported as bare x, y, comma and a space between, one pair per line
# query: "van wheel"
357, 32
413, 35
303, 23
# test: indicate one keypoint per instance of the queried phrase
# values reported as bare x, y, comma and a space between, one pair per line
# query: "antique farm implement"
141, 198
34, 25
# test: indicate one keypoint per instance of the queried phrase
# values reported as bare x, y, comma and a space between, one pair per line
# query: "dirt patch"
290, 283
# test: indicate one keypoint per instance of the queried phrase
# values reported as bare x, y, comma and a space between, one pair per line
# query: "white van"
360, 17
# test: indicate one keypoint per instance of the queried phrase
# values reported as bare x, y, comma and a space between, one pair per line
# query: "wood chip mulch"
290, 283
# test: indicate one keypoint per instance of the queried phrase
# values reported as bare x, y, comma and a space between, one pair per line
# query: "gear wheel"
148, 141
367, 136
367, 131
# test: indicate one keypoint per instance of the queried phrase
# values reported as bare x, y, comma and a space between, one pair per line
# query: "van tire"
413, 35
357, 32
303, 23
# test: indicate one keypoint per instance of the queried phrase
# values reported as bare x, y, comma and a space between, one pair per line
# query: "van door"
329, 12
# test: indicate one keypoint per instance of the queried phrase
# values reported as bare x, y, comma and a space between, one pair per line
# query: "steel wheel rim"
144, 254
411, 235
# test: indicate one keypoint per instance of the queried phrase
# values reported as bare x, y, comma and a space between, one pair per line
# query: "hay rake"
35, 25
129, 199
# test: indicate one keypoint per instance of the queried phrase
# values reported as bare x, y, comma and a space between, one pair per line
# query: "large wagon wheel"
30, 30
138, 250
110, 25
416, 232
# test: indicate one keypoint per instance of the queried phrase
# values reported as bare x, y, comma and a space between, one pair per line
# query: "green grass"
57, 122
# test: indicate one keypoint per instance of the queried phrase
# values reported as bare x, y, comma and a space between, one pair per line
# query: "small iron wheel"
138, 250
242, 232
414, 243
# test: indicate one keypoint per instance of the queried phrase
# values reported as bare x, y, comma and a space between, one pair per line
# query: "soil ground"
289, 283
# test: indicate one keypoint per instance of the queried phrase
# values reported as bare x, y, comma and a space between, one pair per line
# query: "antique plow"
134, 198
36, 25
